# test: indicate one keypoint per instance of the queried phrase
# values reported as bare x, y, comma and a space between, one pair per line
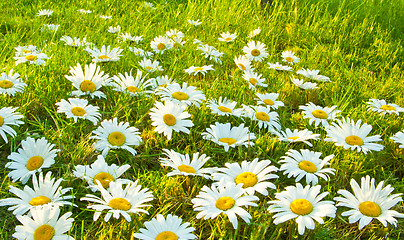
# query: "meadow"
357, 44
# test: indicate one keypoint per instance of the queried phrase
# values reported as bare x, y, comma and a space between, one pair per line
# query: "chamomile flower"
116, 29
227, 199
194, 22
369, 202
105, 17
227, 136
319, 115
297, 136
269, 100
289, 57
161, 81
8, 116
383, 107
45, 192
50, 27
79, 108
211, 52
185, 95
399, 138
175, 34
111, 135
304, 204
102, 172
124, 37
75, 42
119, 201
148, 5
32, 58
307, 164
141, 53
279, 67
254, 79
11, 83
182, 165
227, 36
223, 107
33, 156
160, 44
150, 66
166, 228
255, 51
254, 32
265, 118
44, 223
89, 81
313, 74
253, 175
105, 54
134, 86
196, 70
83, 11
303, 85
169, 117
44, 12
354, 136
25, 50
243, 63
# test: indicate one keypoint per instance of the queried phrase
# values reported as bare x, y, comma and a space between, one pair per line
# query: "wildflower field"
214, 119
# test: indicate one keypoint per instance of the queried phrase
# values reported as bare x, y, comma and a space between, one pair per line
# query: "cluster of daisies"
235, 188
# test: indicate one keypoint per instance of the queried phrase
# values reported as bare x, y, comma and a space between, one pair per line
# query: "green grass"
357, 43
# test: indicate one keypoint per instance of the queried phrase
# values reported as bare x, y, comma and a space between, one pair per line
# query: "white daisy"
160, 44
254, 79
297, 136
44, 12
111, 135
399, 138
227, 136
148, 5
134, 86
169, 117
84, 11
25, 50
279, 67
369, 202
8, 116
383, 107
303, 85
304, 204
161, 81
265, 118
119, 201
243, 63
313, 74
75, 42
223, 107
11, 83
196, 70
33, 58
105, 54
116, 29
150, 66
255, 51
160, 228
194, 22
45, 192
307, 164
269, 100
289, 57
348, 134
141, 53
50, 27
185, 95
252, 175
175, 34
227, 199
254, 32
211, 52
227, 37
105, 17
79, 108
319, 115
123, 37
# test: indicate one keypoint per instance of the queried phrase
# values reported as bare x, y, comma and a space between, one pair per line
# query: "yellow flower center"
253, 81
34, 163
307, 166
31, 57
116, 138
186, 168
78, 111
248, 179
180, 96
120, 204
228, 39
225, 203
176, 45
44, 232
262, 116
166, 235
104, 178
370, 209
293, 138
319, 114
255, 52
6, 84
229, 141
132, 89
198, 69
149, 68
242, 67
269, 102
301, 207
41, 200
354, 140
104, 57
225, 109
289, 59
1, 121
169, 119
161, 46
388, 107
87, 86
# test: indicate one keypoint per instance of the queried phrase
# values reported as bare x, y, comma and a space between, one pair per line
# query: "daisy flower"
123, 37
297, 136
148, 5
44, 223
255, 51
383, 107
227, 37
369, 202
169, 117
111, 135
252, 175
194, 22
89, 81
243, 63
223, 107
105, 54
265, 118
269, 100
304, 204
196, 70
307, 164
171, 228
227, 199
254, 79
303, 85
102, 172
8, 116
210, 52
399, 138
182, 165
112, 29
150, 66
33, 58
44, 12
254, 33
175, 34
50, 27
161, 44
11, 83
119, 201
289, 57
185, 95
227, 136
313, 74
279, 67
134, 86
75, 42
84, 11
319, 115
348, 134
32, 157
25, 50
45, 192
105, 17
142, 53
161, 81
79, 108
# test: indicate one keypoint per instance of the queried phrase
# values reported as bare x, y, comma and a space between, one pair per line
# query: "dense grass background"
358, 44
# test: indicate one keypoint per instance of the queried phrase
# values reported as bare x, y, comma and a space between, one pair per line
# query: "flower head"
79, 108
106, 54
383, 107
11, 83
8, 116
255, 51
297, 136
196, 70
269, 100
319, 115
184, 95
289, 57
